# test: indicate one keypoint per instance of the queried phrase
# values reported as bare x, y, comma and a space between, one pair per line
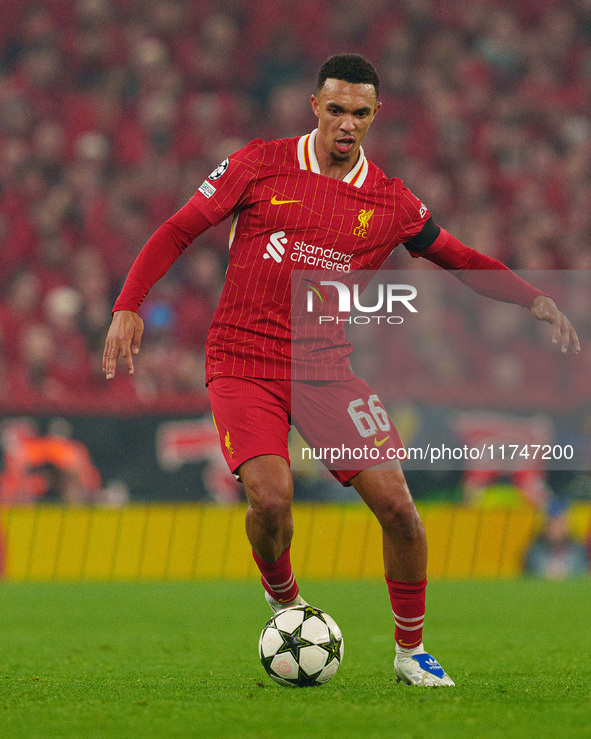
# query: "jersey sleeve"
225, 190
483, 274
159, 254
412, 214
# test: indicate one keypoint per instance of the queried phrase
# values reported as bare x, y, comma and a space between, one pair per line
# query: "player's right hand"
124, 338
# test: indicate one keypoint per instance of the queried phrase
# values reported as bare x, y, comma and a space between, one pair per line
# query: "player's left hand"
545, 309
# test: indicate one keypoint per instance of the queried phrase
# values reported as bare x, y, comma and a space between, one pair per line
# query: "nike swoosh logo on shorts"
381, 441
274, 201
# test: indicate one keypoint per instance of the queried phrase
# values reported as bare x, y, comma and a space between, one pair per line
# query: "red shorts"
344, 422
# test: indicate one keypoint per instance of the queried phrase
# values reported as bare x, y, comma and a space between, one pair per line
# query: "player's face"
345, 112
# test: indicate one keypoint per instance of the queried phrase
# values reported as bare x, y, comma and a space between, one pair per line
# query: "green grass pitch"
180, 660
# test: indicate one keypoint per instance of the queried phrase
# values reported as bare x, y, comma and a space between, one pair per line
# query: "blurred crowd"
112, 112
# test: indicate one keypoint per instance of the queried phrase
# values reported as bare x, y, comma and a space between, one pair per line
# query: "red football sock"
408, 606
278, 578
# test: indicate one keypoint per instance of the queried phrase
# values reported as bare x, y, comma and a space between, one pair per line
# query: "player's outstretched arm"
488, 276
153, 262
545, 309
124, 338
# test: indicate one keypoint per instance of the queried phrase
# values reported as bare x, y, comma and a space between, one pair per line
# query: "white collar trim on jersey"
307, 159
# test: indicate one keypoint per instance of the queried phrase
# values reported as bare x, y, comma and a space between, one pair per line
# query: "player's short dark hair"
349, 68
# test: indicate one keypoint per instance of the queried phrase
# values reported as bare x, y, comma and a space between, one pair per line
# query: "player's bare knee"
268, 491
266, 479
273, 515
400, 519
270, 501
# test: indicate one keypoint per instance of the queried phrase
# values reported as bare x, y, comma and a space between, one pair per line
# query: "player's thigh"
251, 418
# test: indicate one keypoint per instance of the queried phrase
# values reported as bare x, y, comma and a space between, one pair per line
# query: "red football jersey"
287, 216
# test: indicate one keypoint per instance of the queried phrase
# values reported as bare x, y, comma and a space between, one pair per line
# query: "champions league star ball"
301, 646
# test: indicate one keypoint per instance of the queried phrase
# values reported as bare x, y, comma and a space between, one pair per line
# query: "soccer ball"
301, 646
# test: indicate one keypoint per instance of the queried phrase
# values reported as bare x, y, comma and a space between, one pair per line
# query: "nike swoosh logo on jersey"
274, 201
381, 441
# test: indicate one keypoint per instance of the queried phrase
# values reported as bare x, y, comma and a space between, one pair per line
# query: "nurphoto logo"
388, 298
